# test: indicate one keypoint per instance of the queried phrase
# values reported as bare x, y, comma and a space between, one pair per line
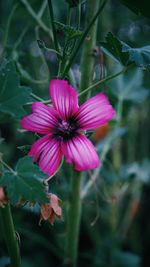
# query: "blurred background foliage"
115, 227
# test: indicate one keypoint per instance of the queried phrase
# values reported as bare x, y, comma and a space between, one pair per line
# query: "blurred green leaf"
125, 259
141, 56
125, 54
139, 170
111, 137
137, 6
12, 95
4, 261
129, 86
24, 183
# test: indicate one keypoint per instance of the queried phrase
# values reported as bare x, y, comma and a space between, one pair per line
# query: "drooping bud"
50, 211
3, 198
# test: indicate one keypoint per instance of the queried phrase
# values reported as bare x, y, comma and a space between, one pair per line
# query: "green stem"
10, 236
78, 16
37, 97
89, 43
74, 215
42, 9
82, 39
7, 166
53, 26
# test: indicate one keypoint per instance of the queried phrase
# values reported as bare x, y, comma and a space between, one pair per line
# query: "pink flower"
63, 126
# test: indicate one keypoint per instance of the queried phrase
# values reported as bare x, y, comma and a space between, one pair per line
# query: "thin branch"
96, 173
95, 85
7, 166
102, 81
42, 9
8, 26
27, 76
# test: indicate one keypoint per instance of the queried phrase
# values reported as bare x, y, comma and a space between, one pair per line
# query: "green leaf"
123, 259
69, 31
113, 47
138, 6
125, 54
129, 86
111, 138
25, 182
12, 95
141, 56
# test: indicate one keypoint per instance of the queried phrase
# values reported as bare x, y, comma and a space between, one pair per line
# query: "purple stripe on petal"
64, 98
42, 120
80, 151
38, 147
95, 112
51, 157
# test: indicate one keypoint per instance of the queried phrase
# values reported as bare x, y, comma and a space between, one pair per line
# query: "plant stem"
7, 166
10, 236
37, 97
89, 43
82, 39
74, 215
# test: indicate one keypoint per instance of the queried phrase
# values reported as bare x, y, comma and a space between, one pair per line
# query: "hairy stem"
10, 236
74, 215
89, 43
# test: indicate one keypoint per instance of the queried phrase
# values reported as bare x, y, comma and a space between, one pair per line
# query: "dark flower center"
66, 129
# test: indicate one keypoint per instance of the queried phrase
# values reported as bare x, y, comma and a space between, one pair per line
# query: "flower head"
63, 126
51, 210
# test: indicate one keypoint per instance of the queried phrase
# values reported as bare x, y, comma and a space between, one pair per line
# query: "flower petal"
64, 98
42, 120
95, 112
80, 151
49, 151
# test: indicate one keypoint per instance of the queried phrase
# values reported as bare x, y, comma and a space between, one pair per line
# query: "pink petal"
48, 150
80, 151
64, 98
42, 120
95, 112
